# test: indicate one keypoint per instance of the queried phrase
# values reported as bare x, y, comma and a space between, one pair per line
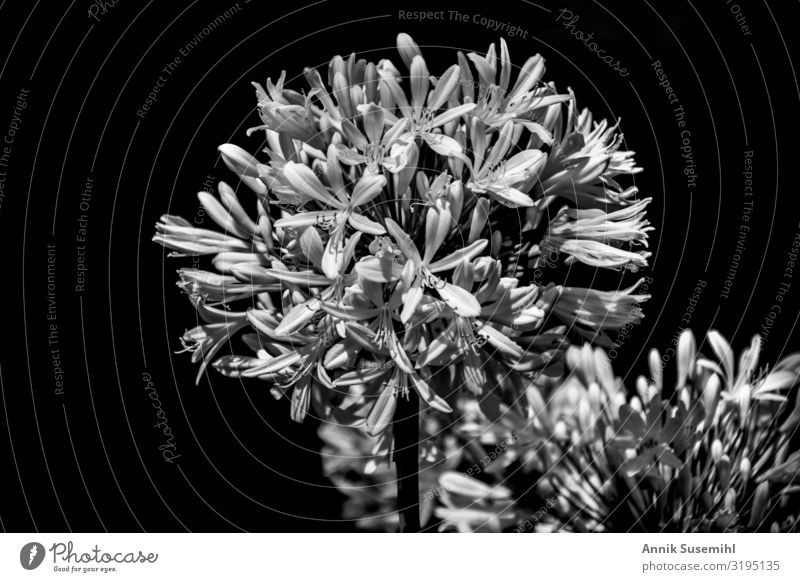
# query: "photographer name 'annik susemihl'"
689, 549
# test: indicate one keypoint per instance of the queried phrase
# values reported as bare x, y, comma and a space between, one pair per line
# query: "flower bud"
265, 229
759, 507
636, 404
605, 373
687, 350
724, 472
730, 499
711, 398
238, 160
456, 191
585, 415
685, 398
595, 398
656, 369
643, 389
716, 450
480, 215
745, 468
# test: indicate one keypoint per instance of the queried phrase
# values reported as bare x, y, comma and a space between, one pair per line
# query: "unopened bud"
636, 404
238, 160
724, 471
745, 469
730, 499
759, 506
716, 450
656, 369
687, 350
643, 388
711, 397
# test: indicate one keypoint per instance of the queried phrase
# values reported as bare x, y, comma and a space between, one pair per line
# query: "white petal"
364, 224
460, 300
367, 188
382, 411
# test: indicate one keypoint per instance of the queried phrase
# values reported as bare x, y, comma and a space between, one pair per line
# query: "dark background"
88, 459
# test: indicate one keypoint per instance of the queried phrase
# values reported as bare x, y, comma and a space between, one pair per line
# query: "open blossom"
393, 214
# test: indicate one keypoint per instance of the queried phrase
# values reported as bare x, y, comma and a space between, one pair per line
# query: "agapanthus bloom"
395, 216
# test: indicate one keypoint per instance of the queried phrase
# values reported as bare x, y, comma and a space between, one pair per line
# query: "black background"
88, 459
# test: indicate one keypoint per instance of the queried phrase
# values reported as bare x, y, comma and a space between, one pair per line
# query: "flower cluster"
714, 451
396, 216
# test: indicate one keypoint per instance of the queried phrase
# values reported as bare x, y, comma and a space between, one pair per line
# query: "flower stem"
406, 459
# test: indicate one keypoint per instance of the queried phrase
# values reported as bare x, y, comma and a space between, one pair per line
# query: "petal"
425, 392
305, 218
407, 48
406, 244
311, 243
220, 215
524, 160
529, 75
510, 197
451, 114
723, 351
389, 82
350, 248
420, 81
298, 317
400, 356
459, 300
631, 421
382, 411
442, 144
379, 270
301, 397
776, 381
349, 313
410, 301
333, 257
367, 188
308, 278
360, 376
501, 342
450, 261
635, 465
670, 459
469, 487
303, 179
373, 122
239, 160
437, 225
274, 364
364, 224
501, 145
444, 88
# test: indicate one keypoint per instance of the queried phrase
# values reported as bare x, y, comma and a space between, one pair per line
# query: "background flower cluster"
715, 450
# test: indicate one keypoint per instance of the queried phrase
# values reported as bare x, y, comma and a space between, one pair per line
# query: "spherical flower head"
397, 217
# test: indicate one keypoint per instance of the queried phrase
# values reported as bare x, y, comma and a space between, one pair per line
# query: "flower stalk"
406, 459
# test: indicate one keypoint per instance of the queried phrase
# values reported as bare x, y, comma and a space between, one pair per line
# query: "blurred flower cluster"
396, 218
716, 450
